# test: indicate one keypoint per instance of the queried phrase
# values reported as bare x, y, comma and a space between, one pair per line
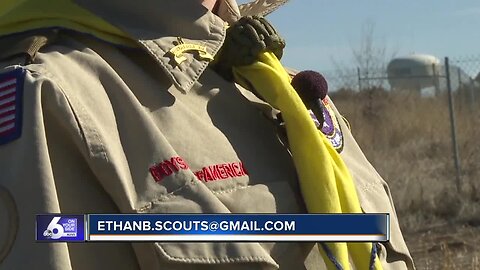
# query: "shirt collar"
159, 26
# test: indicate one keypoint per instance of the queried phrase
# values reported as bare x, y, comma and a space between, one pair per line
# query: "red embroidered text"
167, 167
221, 171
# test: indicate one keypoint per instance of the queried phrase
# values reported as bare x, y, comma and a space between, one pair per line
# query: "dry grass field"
408, 139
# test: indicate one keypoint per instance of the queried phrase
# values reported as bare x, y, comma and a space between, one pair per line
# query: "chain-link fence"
467, 79
421, 73
456, 78
422, 138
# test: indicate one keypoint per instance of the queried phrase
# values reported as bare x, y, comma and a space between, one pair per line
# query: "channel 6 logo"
57, 227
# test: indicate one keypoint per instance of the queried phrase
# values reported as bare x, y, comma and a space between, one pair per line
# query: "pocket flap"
196, 198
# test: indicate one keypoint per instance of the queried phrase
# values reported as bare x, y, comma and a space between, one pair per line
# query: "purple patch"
331, 128
328, 127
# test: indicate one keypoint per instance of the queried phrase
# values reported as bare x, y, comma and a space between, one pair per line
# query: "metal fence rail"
456, 79
464, 76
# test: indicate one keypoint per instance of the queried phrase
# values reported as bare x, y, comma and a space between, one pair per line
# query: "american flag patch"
11, 87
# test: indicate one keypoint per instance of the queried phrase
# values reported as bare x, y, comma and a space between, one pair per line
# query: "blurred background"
405, 74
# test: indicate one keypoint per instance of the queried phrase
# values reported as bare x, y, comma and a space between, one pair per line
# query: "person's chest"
213, 130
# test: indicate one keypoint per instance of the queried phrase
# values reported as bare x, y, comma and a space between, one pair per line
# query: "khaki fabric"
375, 197
99, 119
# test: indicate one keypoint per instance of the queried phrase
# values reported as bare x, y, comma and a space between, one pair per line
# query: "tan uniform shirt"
107, 130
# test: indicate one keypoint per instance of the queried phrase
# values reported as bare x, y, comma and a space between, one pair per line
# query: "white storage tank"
414, 72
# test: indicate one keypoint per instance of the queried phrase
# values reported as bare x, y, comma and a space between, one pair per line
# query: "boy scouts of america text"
206, 174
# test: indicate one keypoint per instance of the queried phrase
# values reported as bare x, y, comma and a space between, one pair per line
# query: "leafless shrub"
407, 139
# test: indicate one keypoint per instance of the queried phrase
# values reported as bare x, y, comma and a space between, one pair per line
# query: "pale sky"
318, 31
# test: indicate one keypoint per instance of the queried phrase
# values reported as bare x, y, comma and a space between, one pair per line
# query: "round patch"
8, 223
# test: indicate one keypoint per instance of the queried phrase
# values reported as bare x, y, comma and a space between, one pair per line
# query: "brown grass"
408, 140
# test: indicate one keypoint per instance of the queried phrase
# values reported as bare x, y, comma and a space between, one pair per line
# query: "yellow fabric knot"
23, 15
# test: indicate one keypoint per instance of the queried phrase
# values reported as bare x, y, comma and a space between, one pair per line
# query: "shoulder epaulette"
25, 45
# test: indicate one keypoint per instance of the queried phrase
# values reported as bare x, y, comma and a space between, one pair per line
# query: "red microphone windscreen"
310, 85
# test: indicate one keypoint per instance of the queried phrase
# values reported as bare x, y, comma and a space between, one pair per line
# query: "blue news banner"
214, 227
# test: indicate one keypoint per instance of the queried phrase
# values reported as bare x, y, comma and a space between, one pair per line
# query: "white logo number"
52, 226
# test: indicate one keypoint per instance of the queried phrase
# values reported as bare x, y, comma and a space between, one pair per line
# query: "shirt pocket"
196, 198
270, 197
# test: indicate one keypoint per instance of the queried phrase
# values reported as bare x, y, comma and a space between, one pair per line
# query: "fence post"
459, 77
472, 94
359, 79
452, 125
435, 80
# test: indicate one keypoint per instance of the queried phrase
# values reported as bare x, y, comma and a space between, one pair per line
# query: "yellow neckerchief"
325, 182
24, 15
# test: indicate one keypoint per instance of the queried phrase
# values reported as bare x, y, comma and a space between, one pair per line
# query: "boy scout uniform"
106, 129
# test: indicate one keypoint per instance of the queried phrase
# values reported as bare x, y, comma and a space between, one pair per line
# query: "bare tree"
369, 61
